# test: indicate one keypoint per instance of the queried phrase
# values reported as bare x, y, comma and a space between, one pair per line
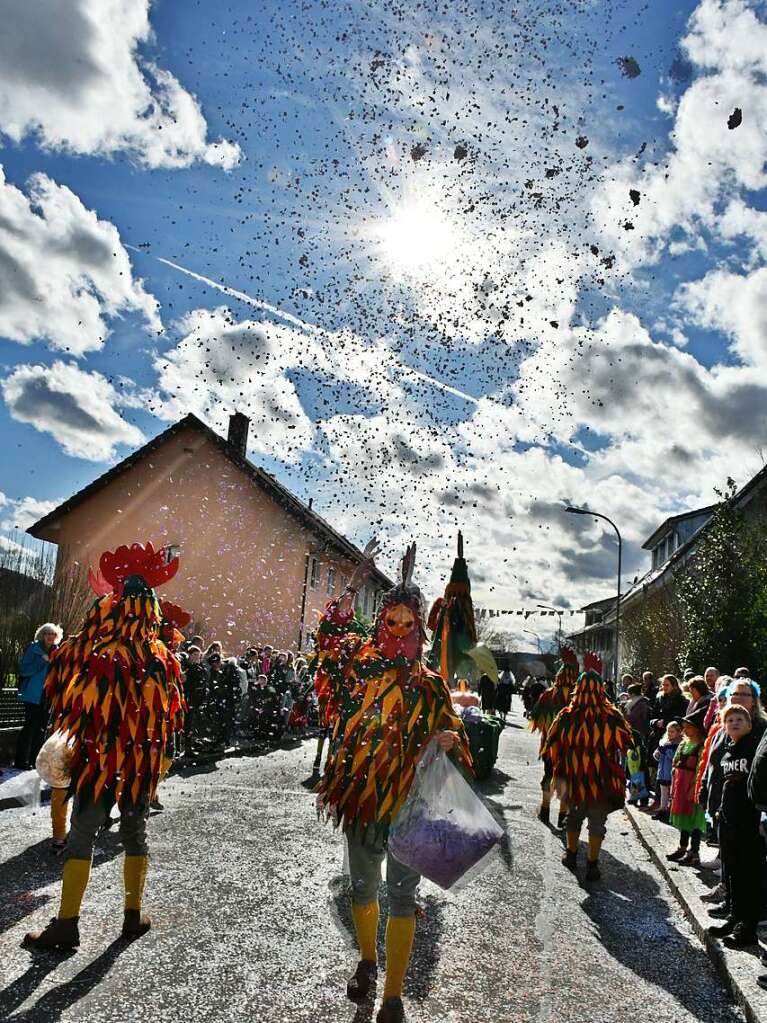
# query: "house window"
314, 574
331, 581
172, 550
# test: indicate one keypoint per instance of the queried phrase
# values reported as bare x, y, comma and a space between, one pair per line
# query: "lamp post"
599, 515
548, 607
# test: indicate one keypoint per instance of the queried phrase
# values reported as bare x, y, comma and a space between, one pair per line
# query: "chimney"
238, 434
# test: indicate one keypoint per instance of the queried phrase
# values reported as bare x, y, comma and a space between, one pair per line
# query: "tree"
722, 591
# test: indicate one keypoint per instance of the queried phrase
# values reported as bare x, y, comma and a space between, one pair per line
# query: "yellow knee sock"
74, 883
59, 814
366, 928
595, 844
572, 841
134, 876
400, 931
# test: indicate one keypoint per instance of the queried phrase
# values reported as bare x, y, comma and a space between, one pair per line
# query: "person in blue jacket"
32, 672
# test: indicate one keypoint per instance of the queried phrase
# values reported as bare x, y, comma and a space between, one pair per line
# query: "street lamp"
599, 515
548, 607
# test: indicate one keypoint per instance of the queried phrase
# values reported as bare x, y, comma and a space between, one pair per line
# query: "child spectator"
664, 757
686, 814
741, 845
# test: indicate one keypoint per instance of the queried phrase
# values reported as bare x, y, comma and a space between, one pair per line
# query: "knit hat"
697, 719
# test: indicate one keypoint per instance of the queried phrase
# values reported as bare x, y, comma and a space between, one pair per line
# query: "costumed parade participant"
585, 743
115, 693
541, 715
386, 706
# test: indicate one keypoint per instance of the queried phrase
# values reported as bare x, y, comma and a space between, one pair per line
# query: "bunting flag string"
488, 612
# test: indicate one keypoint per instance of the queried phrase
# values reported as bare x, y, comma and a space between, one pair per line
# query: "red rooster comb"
174, 615
592, 662
153, 566
568, 656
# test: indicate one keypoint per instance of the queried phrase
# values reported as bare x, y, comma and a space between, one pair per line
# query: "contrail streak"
312, 328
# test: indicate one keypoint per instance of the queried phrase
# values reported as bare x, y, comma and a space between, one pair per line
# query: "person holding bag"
386, 707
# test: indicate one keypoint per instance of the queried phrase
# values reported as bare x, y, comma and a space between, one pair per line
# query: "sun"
417, 239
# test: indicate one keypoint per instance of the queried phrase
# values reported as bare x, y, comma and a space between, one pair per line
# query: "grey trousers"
596, 813
365, 859
88, 817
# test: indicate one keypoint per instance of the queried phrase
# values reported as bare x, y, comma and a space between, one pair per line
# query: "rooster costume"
115, 689
384, 706
542, 715
585, 743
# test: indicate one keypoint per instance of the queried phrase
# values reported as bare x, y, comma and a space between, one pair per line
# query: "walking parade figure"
386, 706
115, 692
542, 714
585, 744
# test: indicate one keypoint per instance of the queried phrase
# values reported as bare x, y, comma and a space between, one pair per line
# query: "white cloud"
63, 272
77, 408
71, 75
22, 513
227, 365
734, 304
682, 193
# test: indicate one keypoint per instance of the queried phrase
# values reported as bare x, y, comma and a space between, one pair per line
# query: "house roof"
671, 521
598, 605
306, 515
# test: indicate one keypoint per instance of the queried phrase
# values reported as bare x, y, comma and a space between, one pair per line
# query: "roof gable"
309, 518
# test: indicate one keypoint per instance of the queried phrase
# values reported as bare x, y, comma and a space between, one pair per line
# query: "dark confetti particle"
418, 151
628, 226
735, 119
460, 152
581, 142
629, 67
635, 195
554, 323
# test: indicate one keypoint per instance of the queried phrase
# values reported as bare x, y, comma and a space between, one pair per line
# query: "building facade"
257, 564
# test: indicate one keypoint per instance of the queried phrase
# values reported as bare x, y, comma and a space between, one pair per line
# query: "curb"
739, 970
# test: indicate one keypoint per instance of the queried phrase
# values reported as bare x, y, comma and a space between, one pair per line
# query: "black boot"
544, 814
592, 870
392, 1011
58, 934
570, 859
360, 983
561, 820
723, 929
742, 936
135, 924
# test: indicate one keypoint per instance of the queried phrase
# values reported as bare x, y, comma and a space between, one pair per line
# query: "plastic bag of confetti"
54, 761
444, 831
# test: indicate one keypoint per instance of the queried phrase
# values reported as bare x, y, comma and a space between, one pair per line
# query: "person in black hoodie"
741, 846
671, 705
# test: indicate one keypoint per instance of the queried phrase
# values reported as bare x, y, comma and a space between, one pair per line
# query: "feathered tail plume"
408, 565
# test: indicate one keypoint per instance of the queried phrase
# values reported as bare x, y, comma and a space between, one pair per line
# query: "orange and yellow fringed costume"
585, 744
385, 711
115, 689
550, 703
385, 706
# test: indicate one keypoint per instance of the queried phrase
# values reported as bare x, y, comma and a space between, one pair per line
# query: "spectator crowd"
259, 696
700, 766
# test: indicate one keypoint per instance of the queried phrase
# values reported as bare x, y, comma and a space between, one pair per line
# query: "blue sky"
472, 321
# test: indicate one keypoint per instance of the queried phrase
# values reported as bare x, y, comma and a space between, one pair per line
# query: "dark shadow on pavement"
34, 868
54, 1003
20, 989
633, 923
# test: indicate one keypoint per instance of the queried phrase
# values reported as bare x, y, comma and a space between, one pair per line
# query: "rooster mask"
399, 628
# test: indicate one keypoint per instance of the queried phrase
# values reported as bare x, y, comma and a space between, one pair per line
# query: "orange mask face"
399, 632
400, 620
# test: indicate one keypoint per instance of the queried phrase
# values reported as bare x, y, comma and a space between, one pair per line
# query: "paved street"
252, 921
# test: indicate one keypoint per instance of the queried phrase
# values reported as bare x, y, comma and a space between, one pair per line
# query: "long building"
257, 564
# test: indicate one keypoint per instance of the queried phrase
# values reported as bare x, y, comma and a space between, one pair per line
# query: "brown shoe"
134, 925
359, 984
690, 859
392, 1011
58, 934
